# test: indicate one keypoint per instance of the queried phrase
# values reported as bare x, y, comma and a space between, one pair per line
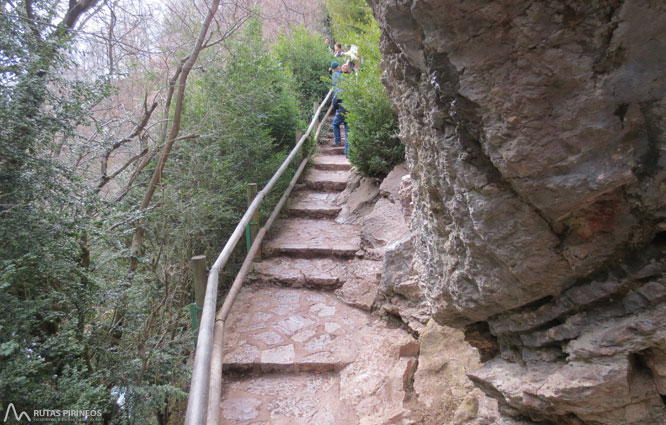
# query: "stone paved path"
300, 344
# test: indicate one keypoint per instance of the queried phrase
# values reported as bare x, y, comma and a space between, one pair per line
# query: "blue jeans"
337, 121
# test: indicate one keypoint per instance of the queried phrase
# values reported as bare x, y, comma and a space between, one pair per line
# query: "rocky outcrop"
385, 222
535, 136
441, 383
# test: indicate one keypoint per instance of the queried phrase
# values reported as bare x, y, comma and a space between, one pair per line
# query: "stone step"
273, 335
300, 399
331, 163
313, 205
326, 180
273, 329
327, 142
312, 238
355, 280
332, 150
324, 273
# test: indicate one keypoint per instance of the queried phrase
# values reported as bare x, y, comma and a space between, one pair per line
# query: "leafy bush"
63, 269
45, 283
306, 57
247, 112
374, 146
349, 18
253, 91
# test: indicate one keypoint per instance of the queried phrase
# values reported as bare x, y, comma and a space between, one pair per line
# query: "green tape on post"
248, 236
194, 308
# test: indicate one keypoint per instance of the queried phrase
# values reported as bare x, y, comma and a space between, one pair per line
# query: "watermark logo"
16, 415
55, 415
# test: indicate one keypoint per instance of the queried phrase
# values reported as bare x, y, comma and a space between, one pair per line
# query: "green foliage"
47, 299
255, 92
374, 146
349, 18
324, 22
306, 57
58, 292
63, 252
247, 111
45, 285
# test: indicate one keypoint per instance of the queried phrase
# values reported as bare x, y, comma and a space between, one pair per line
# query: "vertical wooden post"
198, 264
297, 135
315, 106
254, 222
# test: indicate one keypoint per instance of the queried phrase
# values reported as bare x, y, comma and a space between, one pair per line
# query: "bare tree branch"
76, 9
147, 161
137, 130
137, 239
112, 26
31, 20
115, 174
236, 25
133, 218
84, 21
138, 170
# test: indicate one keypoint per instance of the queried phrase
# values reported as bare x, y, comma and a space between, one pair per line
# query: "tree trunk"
137, 238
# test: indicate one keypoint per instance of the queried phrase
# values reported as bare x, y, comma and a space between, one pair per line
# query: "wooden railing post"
315, 105
253, 227
298, 134
198, 264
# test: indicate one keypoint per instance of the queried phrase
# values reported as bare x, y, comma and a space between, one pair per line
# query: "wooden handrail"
197, 403
215, 384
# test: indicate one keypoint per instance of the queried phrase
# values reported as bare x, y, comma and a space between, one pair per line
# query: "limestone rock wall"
535, 134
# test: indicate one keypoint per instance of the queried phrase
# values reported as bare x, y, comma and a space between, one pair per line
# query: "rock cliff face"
536, 137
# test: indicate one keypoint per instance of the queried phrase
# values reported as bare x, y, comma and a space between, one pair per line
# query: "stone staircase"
301, 346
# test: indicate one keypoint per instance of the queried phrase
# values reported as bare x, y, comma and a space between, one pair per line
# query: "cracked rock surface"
535, 138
